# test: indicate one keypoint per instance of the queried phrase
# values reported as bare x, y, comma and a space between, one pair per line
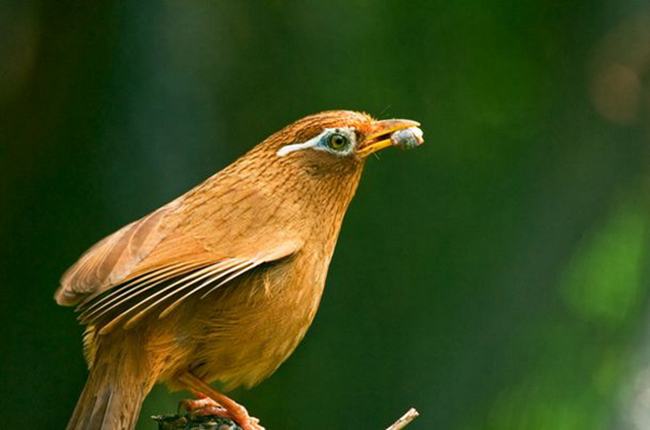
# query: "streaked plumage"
222, 282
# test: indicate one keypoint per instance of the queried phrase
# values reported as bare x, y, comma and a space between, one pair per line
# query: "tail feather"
108, 402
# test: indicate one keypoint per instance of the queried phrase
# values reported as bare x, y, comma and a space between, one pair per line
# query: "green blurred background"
495, 278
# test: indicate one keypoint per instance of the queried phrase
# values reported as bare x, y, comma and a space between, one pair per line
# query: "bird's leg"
202, 406
219, 402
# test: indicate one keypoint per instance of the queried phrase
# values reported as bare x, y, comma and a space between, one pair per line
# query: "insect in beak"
391, 132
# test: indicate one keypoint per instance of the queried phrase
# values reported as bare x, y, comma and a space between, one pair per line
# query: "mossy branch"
193, 422
209, 422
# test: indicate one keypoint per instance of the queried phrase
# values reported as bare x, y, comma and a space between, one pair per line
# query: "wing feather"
167, 288
93, 310
114, 258
239, 269
173, 289
156, 263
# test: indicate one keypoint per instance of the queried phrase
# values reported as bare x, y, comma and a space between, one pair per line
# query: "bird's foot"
205, 406
236, 412
240, 416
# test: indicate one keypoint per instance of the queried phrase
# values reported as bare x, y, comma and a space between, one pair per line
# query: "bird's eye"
337, 141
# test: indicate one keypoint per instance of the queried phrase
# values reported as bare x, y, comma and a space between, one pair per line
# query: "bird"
221, 283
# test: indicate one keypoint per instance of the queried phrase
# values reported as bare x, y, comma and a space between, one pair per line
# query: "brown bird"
222, 283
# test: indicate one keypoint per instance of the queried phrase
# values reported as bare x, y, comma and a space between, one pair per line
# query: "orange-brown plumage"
223, 282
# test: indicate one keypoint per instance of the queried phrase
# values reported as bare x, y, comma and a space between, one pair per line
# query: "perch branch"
188, 421
404, 420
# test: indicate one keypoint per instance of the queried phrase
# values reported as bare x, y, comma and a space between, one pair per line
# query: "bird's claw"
246, 421
252, 426
205, 406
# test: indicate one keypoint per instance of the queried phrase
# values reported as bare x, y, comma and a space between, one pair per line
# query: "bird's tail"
111, 399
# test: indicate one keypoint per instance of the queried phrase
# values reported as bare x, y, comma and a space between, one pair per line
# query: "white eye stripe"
288, 149
314, 141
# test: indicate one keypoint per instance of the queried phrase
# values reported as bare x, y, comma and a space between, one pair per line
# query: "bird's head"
316, 162
335, 142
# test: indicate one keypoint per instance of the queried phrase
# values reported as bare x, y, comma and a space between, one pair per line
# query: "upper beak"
379, 136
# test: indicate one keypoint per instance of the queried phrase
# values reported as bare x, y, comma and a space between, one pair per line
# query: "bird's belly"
242, 334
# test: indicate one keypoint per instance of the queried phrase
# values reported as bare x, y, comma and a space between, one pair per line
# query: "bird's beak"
379, 136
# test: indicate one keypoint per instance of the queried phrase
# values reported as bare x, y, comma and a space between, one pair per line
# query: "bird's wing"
156, 263
113, 259
165, 288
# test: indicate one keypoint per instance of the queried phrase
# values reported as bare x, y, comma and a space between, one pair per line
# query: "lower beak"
379, 136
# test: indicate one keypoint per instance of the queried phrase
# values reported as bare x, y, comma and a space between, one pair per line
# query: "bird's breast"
244, 332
